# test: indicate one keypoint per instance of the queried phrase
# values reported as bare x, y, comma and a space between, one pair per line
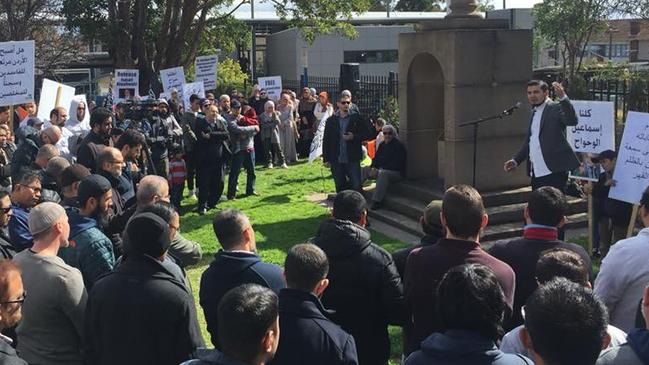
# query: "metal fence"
371, 96
625, 94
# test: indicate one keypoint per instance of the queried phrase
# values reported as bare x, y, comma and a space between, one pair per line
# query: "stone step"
426, 191
493, 232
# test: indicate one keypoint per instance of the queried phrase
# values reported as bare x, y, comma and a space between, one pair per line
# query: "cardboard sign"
192, 88
632, 167
17, 72
54, 94
272, 85
127, 85
594, 133
173, 78
206, 70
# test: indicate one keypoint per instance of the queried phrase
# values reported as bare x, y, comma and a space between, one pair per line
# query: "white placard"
632, 167
127, 85
48, 98
193, 88
206, 68
316, 144
594, 133
173, 78
272, 85
17, 71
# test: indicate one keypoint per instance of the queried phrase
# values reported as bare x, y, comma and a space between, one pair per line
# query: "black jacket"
89, 149
140, 314
391, 156
557, 153
26, 152
617, 210
365, 290
7, 250
306, 333
229, 270
212, 144
360, 128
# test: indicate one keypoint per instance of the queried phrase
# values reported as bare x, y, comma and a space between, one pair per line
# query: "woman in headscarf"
306, 120
322, 108
287, 128
269, 122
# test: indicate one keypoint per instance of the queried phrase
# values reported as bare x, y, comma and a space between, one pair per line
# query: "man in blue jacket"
306, 331
90, 250
24, 196
236, 264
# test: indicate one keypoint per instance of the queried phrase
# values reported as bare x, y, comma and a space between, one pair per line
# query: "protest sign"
17, 72
173, 78
632, 168
272, 85
127, 85
205, 68
54, 94
192, 88
594, 133
316, 144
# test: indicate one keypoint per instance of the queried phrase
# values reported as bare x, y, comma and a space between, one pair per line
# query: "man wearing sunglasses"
26, 193
341, 145
7, 251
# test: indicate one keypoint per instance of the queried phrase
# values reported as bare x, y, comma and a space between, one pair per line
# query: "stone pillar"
463, 9
457, 70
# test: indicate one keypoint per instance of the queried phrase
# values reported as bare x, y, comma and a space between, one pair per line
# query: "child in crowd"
177, 176
610, 216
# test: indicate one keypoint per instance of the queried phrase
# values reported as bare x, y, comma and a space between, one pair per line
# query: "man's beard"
101, 217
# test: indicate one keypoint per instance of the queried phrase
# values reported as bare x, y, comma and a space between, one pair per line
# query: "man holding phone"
341, 145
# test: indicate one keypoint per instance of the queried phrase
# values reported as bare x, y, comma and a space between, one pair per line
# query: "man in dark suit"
341, 145
546, 148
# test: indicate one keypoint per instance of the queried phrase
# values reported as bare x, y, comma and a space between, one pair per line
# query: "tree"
35, 20
634, 8
418, 5
156, 34
569, 24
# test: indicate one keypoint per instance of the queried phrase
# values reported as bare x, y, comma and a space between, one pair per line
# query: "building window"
374, 56
634, 28
633, 53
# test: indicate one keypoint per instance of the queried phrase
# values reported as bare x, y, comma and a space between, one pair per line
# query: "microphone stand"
476, 123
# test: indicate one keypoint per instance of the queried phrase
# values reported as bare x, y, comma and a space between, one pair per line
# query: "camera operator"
164, 128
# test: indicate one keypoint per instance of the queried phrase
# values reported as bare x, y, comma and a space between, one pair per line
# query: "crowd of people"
93, 268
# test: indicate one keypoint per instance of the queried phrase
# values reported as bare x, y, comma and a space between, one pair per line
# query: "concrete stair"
406, 201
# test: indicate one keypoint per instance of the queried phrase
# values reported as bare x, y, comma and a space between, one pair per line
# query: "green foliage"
229, 76
390, 111
570, 24
418, 5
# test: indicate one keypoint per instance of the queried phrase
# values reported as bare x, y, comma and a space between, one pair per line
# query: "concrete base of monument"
407, 200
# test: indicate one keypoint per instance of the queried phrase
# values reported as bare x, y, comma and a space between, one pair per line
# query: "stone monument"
456, 70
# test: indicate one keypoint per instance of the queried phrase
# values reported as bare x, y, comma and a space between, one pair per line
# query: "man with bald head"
153, 189
110, 164
58, 117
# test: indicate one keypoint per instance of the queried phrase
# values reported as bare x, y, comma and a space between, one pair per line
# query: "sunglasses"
345, 102
5, 210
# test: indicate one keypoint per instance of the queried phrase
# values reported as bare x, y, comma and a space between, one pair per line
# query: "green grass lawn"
281, 217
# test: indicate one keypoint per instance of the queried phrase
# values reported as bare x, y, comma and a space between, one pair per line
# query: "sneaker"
253, 193
202, 211
284, 166
269, 166
596, 253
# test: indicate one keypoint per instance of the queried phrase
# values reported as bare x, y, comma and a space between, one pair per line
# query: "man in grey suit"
546, 148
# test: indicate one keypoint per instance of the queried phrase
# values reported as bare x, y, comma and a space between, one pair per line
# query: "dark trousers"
271, 149
190, 163
210, 181
162, 167
346, 175
176, 195
247, 159
556, 180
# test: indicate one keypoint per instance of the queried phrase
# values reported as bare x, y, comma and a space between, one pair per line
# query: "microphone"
510, 111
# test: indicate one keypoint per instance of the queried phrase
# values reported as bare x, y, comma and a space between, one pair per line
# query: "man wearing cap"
25, 194
433, 230
101, 123
212, 153
70, 179
51, 329
165, 331
90, 250
243, 150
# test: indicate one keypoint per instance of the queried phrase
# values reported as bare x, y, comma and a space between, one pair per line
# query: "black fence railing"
370, 97
627, 95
